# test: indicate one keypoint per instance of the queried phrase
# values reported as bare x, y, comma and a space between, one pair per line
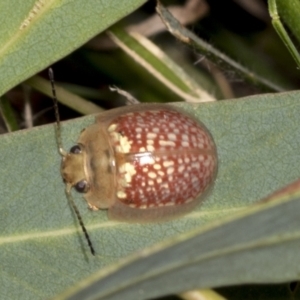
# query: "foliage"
233, 238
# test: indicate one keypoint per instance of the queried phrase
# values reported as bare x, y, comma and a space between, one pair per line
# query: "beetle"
143, 163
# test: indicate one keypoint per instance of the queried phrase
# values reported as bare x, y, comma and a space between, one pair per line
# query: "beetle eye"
82, 186
76, 149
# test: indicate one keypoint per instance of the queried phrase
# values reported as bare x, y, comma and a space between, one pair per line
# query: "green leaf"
290, 13
254, 247
37, 33
211, 53
8, 115
159, 65
43, 250
72, 100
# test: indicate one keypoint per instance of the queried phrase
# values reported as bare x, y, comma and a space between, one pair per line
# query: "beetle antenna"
64, 154
71, 200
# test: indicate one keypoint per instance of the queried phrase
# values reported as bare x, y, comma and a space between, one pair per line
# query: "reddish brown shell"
145, 162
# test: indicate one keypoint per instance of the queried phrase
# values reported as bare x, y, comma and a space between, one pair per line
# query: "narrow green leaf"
159, 65
8, 115
72, 100
289, 11
279, 27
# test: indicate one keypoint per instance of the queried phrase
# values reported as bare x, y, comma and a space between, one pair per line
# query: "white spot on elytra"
161, 173
172, 136
157, 166
185, 144
166, 143
194, 179
165, 185
206, 163
130, 168
127, 177
150, 148
125, 144
181, 169
170, 171
151, 135
121, 194
152, 175
168, 163
150, 182
112, 127
122, 168
186, 160
127, 170
196, 165
142, 149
